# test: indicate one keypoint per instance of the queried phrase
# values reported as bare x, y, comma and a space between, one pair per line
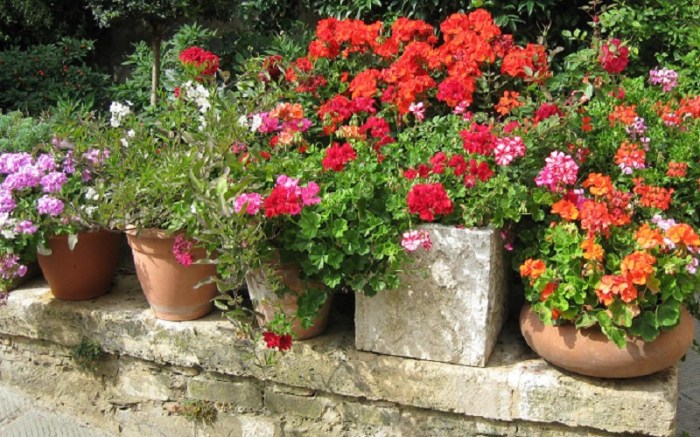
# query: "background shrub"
36, 78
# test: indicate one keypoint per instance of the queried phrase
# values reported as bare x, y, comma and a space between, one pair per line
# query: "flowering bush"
59, 188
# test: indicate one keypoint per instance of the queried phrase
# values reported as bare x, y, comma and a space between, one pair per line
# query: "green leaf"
309, 224
338, 227
668, 313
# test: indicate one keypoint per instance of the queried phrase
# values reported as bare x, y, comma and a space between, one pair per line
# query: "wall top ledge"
515, 384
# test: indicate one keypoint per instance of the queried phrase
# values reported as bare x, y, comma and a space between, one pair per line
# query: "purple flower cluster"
667, 78
10, 267
49, 205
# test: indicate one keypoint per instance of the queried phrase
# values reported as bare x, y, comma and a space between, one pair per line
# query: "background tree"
159, 16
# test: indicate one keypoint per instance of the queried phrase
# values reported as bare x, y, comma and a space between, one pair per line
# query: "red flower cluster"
478, 139
182, 249
288, 198
614, 57
337, 156
427, 200
419, 62
206, 61
280, 342
338, 109
547, 110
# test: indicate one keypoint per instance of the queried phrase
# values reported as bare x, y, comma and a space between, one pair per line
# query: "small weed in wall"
87, 354
197, 411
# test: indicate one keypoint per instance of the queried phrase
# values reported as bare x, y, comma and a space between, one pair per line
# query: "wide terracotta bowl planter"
86, 271
589, 352
266, 303
171, 288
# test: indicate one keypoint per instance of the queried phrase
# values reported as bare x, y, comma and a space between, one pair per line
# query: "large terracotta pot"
170, 287
84, 272
266, 302
590, 352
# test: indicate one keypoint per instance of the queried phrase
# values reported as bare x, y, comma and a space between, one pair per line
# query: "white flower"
125, 143
8, 234
256, 123
119, 111
92, 194
131, 133
243, 120
199, 95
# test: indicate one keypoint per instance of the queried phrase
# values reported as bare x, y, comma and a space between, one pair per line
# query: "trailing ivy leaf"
614, 333
587, 320
668, 313
645, 327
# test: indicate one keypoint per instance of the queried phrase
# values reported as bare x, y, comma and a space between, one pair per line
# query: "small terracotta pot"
266, 302
589, 352
86, 271
169, 286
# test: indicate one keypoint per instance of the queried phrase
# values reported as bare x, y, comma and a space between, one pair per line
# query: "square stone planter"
451, 306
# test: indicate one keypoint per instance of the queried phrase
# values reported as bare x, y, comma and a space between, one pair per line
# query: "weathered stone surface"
451, 305
515, 386
304, 406
239, 394
258, 426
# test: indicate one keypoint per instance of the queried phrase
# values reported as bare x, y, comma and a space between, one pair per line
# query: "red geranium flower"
204, 60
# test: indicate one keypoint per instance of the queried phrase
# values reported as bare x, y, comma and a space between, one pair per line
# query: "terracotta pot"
589, 352
169, 286
266, 302
84, 272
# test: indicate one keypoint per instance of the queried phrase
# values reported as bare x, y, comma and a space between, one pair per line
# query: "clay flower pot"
86, 271
266, 302
589, 352
171, 288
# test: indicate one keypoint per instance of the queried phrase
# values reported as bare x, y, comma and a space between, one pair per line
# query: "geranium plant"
604, 261
620, 246
396, 125
57, 188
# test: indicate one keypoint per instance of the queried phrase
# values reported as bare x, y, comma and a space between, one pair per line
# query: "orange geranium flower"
288, 111
624, 114
648, 238
508, 102
365, 83
532, 268
615, 285
592, 250
637, 266
598, 184
547, 291
677, 169
683, 233
566, 209
653, 197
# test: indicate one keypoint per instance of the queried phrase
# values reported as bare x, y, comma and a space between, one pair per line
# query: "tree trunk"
155, 72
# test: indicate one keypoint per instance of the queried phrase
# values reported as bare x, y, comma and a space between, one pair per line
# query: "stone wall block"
282, 403
242, 394
451, 305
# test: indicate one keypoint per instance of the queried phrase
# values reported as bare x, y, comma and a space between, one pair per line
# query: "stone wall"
324, 386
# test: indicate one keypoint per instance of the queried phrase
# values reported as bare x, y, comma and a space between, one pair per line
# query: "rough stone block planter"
451, 306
